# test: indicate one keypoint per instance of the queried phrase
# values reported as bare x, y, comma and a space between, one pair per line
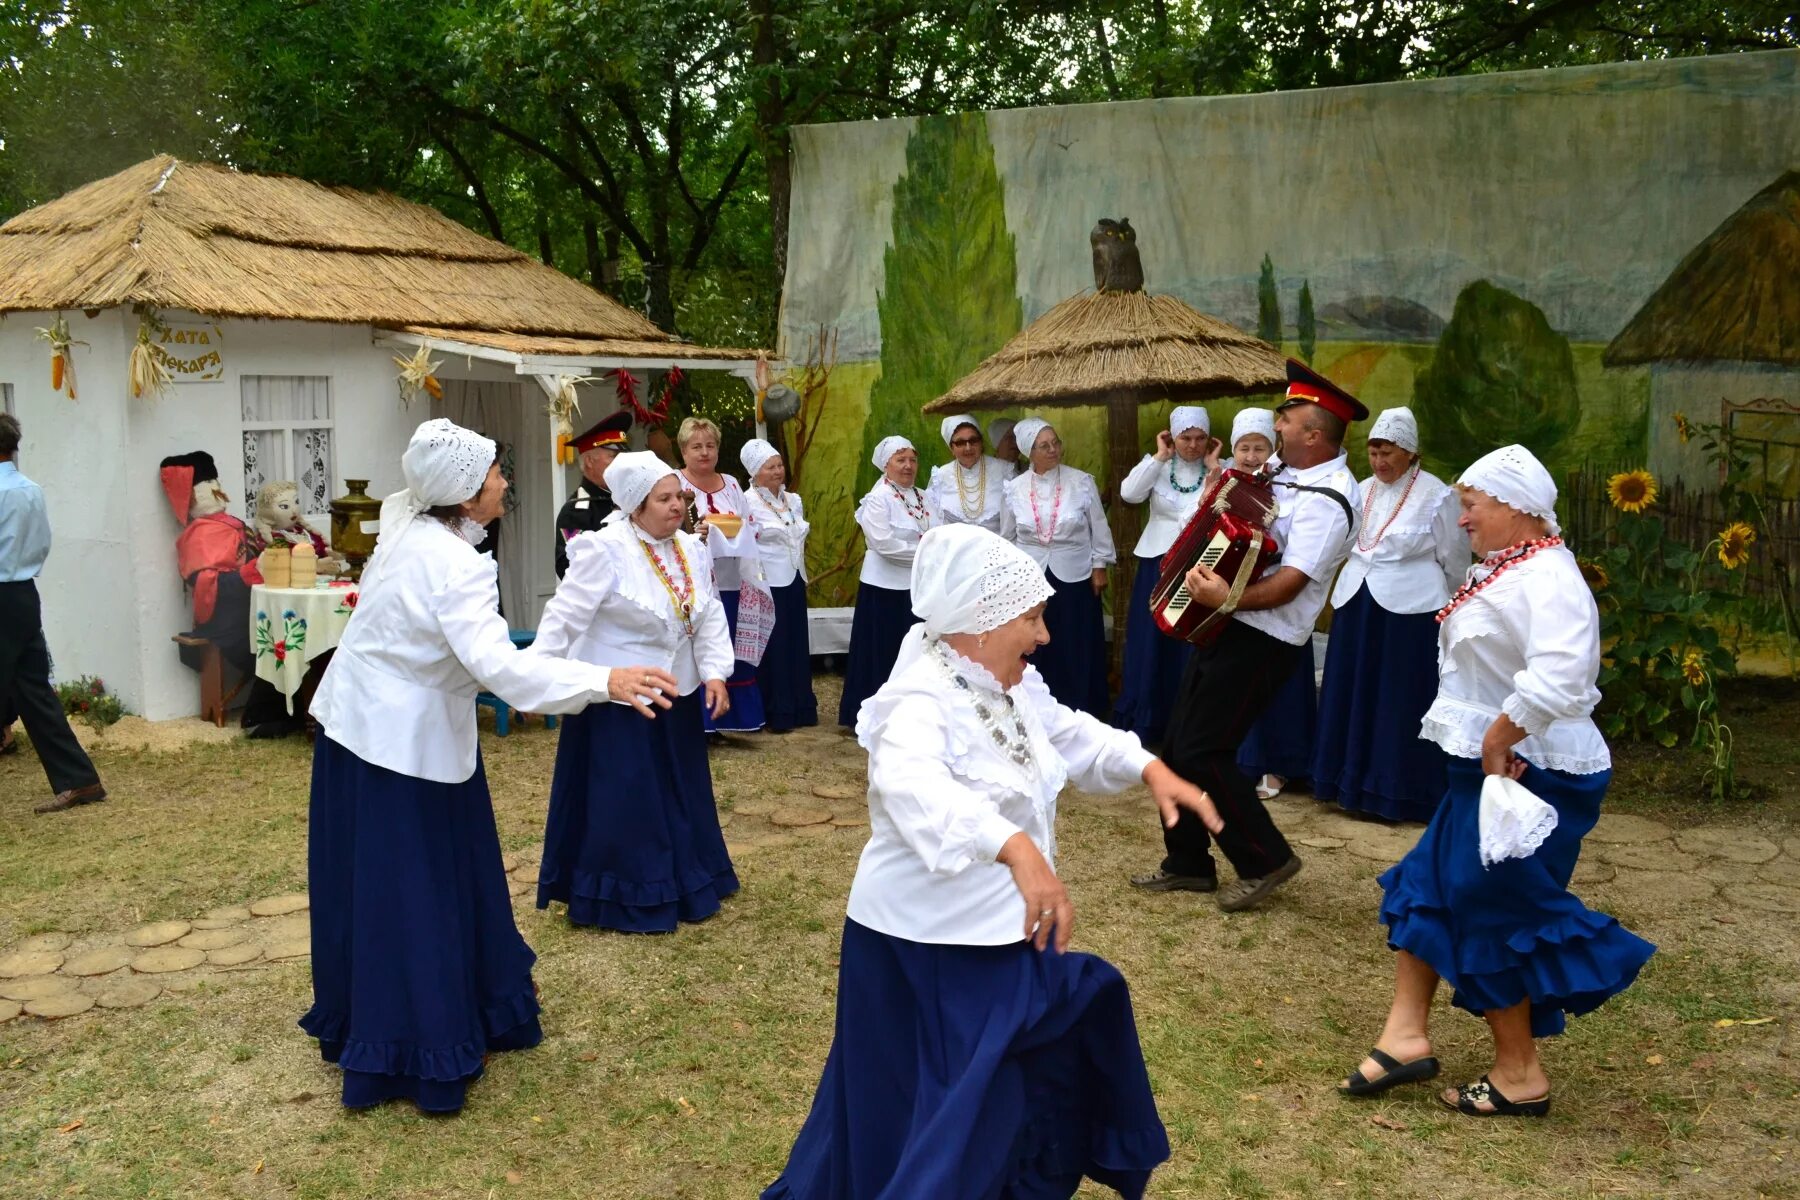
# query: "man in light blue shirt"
24, 655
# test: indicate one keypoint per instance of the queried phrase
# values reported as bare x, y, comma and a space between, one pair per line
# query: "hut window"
288, 434
1768, 434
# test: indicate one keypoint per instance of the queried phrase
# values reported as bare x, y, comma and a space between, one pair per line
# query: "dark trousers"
1226, 687
25, 684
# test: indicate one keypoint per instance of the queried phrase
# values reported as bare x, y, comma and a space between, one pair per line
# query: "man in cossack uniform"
583, 512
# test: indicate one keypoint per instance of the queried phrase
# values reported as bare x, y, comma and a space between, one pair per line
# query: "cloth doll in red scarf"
214, 551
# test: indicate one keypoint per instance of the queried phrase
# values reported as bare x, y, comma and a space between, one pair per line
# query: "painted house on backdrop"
279, 307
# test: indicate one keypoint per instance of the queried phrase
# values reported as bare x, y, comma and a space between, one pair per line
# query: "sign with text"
194, 352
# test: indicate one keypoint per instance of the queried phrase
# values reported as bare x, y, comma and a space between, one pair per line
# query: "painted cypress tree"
1308, 324
1268, 305
950, 297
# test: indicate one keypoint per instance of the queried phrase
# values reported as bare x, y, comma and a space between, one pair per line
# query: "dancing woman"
893, 516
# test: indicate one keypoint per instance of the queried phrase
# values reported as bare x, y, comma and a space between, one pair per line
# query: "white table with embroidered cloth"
290, 627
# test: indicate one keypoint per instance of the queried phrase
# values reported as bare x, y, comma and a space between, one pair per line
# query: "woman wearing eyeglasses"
971, 488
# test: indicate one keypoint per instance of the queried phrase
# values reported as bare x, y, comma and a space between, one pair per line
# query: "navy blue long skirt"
785, 675
1153, 664
1380, 677
746, 712
1281, 742
879, 625
633, 840
973, 1073
1512, 931
418, 969
1074, 663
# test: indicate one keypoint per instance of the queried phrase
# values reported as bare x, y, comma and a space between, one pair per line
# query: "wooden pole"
1122, 454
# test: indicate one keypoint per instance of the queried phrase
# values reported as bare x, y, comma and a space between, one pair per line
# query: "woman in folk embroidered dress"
975, 1057
1057, 518
1381, 668
1171, 479
418, 970
784, 677
1519, 645
633, 841
717, 499
893, 516
971, 487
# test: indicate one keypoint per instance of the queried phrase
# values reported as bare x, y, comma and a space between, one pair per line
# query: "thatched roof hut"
1733, 298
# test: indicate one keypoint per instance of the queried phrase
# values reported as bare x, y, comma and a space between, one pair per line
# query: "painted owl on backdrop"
1117, 267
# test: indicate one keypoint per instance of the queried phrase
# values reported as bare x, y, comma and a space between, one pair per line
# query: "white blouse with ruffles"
1069, 537
1420, 559
1170, 508
984, 483
892, 533
781, 529
726, 552
944, 798
1528, 645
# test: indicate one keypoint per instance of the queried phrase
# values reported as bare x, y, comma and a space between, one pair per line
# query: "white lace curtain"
288, 435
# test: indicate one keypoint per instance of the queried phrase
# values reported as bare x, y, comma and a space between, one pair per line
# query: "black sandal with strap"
1470, 1096
1393, 1074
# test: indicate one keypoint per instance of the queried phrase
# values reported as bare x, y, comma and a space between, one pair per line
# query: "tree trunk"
1122, 455
772, 131
659, 296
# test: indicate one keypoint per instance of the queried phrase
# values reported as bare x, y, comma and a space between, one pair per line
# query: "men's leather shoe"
1167, 881
93, 793
1248, 893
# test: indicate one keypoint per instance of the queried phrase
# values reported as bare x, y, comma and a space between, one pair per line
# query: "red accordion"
1229, 533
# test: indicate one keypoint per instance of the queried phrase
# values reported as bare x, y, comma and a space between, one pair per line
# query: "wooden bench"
214, 699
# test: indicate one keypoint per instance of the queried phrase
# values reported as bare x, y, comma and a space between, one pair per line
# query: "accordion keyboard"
1209, 558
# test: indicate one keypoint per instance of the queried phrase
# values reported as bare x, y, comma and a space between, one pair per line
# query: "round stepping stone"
159, 934
1660, 889
1380, 849
1720, 870
793, 818
103, 960
130, 992
279, 906
753, 807
724, 819
850, 822
63, 1004
9, 1009
164, 959
1784, 871
37, 987
1764, 897
1593, 872
25, 963
1733, 845
1321, 842
235, 956
282, 951
285, 929
527, 875
1623, 829
837, 791
230, 914
214, 939
510, 862
822, 829
515, 888
210, 923
1648, 856
51, 942
1336, 824
1791, 847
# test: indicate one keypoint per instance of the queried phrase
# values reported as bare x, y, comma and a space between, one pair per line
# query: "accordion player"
1228, 533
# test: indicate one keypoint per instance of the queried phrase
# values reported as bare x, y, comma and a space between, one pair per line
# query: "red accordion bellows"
1229, 532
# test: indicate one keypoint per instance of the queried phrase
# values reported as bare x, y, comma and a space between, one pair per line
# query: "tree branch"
477, 191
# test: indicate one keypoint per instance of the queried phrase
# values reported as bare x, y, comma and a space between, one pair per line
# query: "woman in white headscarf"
975, 1057
1057, 519
1381, 667
632, 841
724, 521
970, 488
418, 969
1483, 901
1006, 447
1171, 479
893, 516
785, 674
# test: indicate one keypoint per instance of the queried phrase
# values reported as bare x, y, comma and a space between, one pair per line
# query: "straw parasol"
1121, 347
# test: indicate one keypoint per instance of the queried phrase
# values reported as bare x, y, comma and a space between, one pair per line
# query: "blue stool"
502, 712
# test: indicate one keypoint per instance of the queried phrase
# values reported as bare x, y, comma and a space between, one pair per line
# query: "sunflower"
1692, 669
1595, 574
1632, 491
1683, 430
1734, 544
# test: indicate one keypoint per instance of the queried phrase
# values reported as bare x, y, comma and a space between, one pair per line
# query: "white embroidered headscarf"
1396, 425
949, 425
1025, 433
755, 454
443, 464
966, 579
1513, 476
886, 448
1184, 417
1253, 420
632, 476
998, 428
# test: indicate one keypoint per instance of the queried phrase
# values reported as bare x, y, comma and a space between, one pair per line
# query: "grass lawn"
682, 1066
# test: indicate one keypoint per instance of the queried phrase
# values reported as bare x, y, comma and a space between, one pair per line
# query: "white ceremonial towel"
1514, 822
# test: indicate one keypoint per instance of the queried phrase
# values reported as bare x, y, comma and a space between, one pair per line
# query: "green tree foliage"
1268, 304
1308, 324
1500, 375
950, 291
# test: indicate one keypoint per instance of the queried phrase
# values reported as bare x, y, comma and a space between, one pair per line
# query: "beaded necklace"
1044, 535
1015, 742
683, 596
916, 508
1176, 483
779, 507
962, 492
1510, 557
1369, 506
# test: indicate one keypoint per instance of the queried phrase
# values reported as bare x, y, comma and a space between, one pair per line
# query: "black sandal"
1393, 1074
1470, 1095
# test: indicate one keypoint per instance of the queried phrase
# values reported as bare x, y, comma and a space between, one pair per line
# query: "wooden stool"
214, 699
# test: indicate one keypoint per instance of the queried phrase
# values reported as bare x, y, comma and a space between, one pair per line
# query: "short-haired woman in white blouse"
1485, 905
632, 841
1381, 666
418, 969
719, 503
1058, 520
893, 516
970, 488
1171, 479
975, 1056
785, 674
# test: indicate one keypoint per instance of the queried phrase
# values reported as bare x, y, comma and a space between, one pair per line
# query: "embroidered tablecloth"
289, 627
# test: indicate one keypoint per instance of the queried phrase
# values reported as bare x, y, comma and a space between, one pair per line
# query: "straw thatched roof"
1733, 298
569, 347
1099, 344
210, 240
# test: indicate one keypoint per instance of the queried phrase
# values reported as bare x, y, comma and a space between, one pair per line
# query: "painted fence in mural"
1471, 247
